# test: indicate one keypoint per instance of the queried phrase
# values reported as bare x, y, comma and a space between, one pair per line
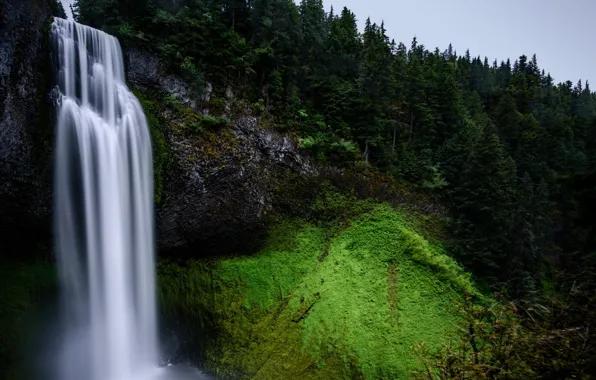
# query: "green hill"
317, 302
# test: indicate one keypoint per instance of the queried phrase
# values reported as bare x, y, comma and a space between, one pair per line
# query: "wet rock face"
25, 122
146, 71
220, 189
220, 183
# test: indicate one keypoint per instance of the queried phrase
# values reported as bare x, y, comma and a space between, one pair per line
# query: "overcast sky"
562, 33
66, 5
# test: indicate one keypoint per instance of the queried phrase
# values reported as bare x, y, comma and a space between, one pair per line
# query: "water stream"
103, 213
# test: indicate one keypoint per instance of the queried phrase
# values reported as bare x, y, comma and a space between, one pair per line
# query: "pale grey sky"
66, 4
562, 33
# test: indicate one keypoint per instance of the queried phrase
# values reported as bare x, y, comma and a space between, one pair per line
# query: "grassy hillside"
318, 302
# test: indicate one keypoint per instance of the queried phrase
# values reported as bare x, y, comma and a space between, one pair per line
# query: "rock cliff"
26, 125
217, 177
218, 183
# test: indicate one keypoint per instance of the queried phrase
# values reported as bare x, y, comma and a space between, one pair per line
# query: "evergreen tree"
508, 151
506, 118
485, 202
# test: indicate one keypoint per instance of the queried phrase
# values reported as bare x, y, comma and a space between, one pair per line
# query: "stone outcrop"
26, 125
219, 183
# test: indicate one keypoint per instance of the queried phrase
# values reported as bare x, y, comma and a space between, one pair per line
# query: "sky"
66, 5
562, 33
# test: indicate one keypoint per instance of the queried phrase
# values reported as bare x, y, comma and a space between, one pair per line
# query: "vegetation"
319, 301
507, 151
158, 143
506, 340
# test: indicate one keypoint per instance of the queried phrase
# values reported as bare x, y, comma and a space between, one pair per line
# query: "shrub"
126, 30
214, 122
326, 147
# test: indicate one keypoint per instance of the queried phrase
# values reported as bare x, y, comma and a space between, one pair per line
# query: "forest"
507, 153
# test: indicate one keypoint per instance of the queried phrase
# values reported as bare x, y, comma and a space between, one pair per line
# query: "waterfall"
103, 212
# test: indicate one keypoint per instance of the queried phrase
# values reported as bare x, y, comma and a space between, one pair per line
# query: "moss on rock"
158, 142
312, 304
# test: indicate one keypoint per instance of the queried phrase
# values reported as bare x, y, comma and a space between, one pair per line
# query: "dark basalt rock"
219, 184
217, 195
26, 127
144, 70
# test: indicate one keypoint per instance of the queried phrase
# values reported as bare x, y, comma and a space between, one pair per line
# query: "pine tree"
506, 118
485, 203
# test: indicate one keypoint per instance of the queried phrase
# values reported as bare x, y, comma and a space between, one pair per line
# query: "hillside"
509, 152
319, 302
329, 203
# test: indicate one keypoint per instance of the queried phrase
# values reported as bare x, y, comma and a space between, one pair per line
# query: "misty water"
104, 216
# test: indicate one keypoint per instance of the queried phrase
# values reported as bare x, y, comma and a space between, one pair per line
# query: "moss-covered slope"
318, 304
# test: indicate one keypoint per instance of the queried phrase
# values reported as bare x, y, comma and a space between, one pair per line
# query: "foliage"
506, 340
326, 148
332, 205
214, 122
192, 74
158, 143
510, 153
56, 8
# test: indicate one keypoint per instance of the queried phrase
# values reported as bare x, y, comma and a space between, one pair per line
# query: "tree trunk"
473, 343
411, 128
394, 135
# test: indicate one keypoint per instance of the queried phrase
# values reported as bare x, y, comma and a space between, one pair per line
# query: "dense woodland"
510, 153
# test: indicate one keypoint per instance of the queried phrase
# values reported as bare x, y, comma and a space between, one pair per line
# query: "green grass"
271, 276
319, 303
358, 308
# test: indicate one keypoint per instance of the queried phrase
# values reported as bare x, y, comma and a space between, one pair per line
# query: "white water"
103, 213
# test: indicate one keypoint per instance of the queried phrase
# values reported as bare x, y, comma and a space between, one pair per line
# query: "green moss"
158, 142
382, 290
21, 287
214, 122
271, 276
315, 303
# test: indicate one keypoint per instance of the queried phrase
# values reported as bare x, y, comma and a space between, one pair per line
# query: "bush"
506, 340
217, 105
214, 122
327, 148
194, 76
331, 204
126, 31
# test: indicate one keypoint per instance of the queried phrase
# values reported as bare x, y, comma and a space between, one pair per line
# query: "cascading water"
103, 212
